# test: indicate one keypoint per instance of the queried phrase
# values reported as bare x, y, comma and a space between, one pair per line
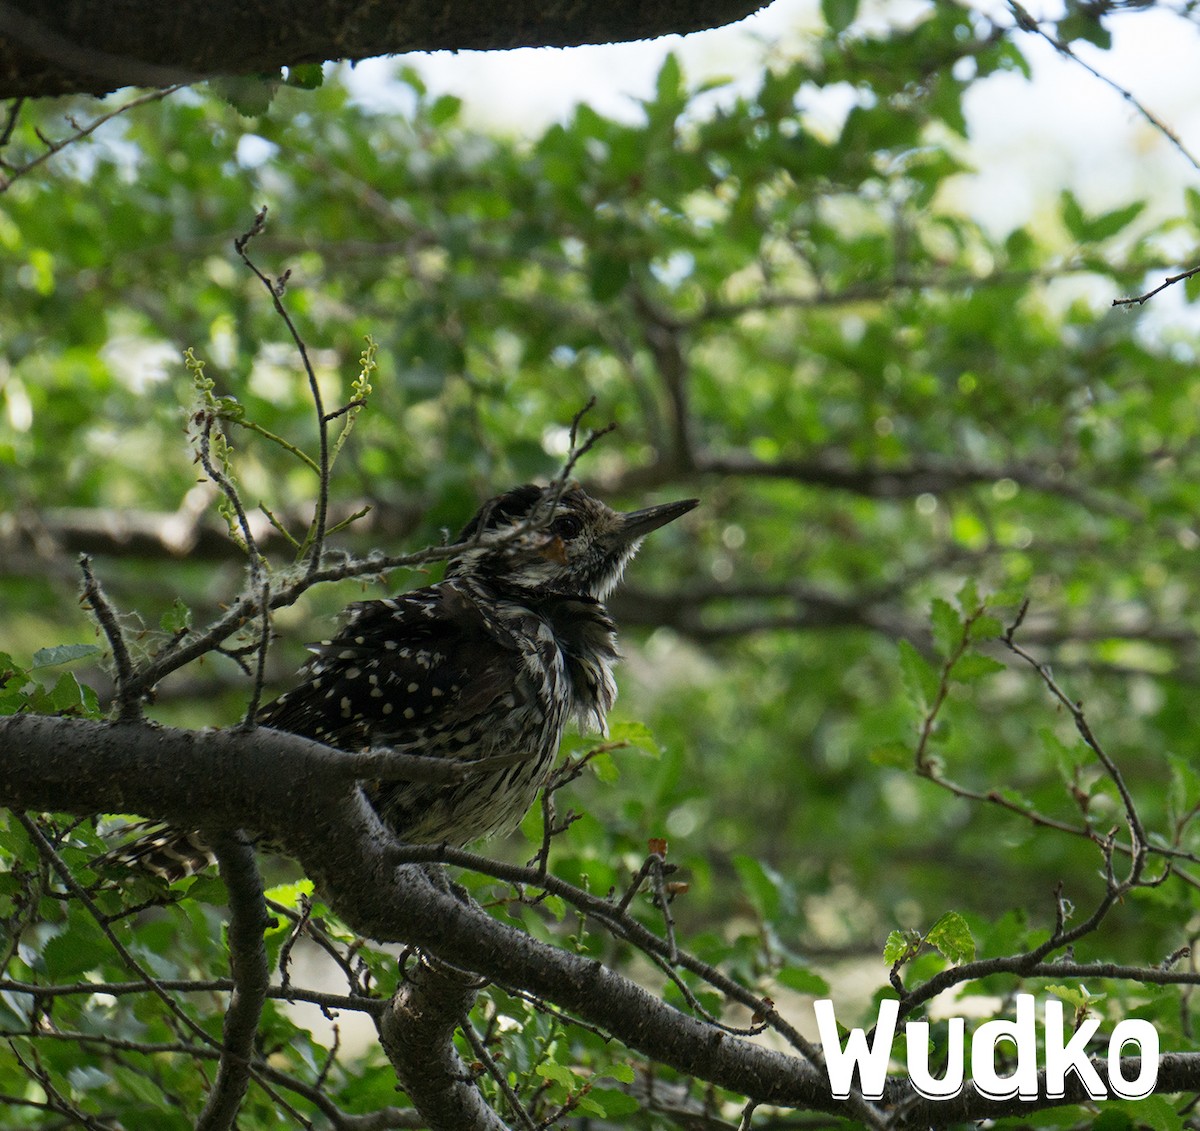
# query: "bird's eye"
566, 526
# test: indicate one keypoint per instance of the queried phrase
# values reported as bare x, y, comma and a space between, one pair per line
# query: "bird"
487, 666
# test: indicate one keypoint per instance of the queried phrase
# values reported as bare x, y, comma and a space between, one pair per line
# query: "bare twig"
191, 986
1026, 22
382, 1119
285, 951
1139, 843
204, 446
264, 643
10, 124
1169, 281
576, 451
315, 544
55, 1100
128, 696
622, 925
6, 179
496, 1073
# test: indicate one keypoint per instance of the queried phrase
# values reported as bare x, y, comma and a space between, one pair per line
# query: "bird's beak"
637, 524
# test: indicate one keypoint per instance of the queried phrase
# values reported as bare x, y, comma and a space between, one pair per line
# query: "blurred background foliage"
876, 398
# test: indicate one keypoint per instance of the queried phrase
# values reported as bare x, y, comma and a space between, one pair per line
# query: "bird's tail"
164, 851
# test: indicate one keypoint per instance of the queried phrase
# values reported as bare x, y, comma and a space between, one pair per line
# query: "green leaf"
208, 888
619, 1070
985, 627
611, 1103
556, 905
760, 885
901, 946
176, 618
920, 680
289, 894
1093, 229
1084, 25
895, 754
605, 767
305, 76
637, 735
607, 275
668, 85
951, 937
1108, 224
1184, 788
1073, 217
81, 947
62, 654
1191, 199
67, 697
1075, 996
947, 627
559, 1073
1154, 1112
1068, 757
445, 109
839, 14
974, 666
249, 95
802, 981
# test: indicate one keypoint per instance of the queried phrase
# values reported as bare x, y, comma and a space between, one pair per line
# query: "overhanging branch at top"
92, 47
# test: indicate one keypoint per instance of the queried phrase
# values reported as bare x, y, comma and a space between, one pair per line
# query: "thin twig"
1026, 22
1139, 842
315, 544
319, 998
285, 951
620, 924
1169, 281
264, 643
10, 123
358, 985
658, 871
497, 1074
56, 862
56, 1101
127, 695
253, 553
53, 147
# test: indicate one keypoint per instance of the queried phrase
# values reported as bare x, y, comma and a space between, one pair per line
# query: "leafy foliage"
903, 427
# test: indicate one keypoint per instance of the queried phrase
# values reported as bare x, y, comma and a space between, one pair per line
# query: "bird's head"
573, 545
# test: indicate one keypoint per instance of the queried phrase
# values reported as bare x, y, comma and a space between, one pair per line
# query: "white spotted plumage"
487, 666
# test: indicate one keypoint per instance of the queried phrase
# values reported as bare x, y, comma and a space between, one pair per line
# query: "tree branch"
417, 1031
248, 964
77, 47
231, 778
320, 817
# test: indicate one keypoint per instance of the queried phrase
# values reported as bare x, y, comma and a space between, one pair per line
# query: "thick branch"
85, 46
417, 1032
295, 790
1177, 1072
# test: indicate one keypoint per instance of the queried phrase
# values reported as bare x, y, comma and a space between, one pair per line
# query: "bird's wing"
426, 659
